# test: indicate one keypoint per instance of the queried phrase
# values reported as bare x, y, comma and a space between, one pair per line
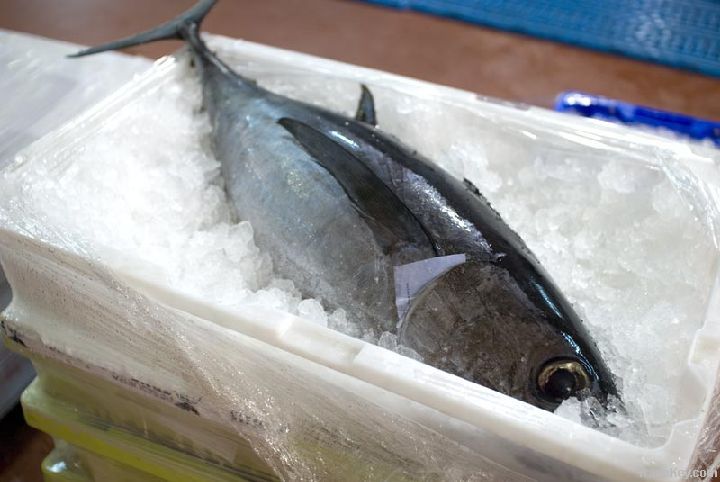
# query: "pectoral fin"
411, 279
393, 225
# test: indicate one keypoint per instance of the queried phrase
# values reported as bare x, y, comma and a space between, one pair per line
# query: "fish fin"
393, 224
413, 278
176, 29
366, 107
471, 187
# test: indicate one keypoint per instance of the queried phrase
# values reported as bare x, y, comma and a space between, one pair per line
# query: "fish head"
479, 322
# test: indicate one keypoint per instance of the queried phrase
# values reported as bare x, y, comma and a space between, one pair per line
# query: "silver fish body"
340, 207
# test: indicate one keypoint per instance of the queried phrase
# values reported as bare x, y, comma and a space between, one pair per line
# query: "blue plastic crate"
679, 33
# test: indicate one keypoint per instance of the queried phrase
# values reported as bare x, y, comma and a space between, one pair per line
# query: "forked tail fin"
178, 28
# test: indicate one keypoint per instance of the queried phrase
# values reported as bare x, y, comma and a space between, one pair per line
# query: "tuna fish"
364, 223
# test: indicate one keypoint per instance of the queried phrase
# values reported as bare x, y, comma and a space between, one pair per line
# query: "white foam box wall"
482, 413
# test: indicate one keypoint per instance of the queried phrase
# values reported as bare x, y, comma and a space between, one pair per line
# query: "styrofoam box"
522, 439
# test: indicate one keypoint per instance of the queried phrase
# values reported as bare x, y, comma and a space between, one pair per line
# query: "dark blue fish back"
679, 33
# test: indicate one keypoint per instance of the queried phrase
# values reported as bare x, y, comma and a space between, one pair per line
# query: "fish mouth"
599, 409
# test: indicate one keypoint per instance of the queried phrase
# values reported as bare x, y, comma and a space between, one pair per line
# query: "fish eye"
559, 379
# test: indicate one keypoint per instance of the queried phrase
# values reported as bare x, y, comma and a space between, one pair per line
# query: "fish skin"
495, 320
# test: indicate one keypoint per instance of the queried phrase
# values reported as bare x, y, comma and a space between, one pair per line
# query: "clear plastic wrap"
41, 92
116, 271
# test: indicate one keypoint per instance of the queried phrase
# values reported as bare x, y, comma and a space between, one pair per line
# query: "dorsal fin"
392, 222
366, 107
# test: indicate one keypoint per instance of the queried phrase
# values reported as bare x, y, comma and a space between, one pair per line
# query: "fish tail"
182, 27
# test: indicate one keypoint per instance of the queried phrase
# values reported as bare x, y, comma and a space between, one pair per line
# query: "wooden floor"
21, 449
493, 63
488, 62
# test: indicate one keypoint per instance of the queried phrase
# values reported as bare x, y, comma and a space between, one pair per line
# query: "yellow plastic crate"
104, 432
67, 463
